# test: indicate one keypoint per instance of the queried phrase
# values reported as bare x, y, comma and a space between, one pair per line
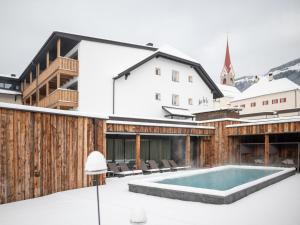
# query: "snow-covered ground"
276, 204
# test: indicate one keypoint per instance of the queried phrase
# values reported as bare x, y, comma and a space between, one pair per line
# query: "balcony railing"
60, 98
67, 66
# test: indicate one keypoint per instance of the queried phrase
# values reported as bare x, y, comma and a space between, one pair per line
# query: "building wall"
135, 96
291, 103
222, 103
98, 64
10, 99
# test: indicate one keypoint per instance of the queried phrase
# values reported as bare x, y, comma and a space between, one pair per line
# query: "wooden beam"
267, 149
47, 88
58, 47
138, 151
58, 80
188, 150
202, 152
30, 100
30, 77
47, 60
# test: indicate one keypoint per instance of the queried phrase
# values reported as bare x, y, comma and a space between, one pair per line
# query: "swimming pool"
219, 185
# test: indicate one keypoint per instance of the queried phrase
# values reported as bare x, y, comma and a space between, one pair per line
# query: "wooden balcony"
60, 98
66, 67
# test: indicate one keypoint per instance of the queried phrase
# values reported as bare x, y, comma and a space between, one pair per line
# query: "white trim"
151, 182
158, 124
225, 119
156, 134
268, 121
51, 111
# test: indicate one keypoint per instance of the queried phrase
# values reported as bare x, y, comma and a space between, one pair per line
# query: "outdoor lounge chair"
124, 167
176, 167
153, 165
145, 168
113, 167
288, 162
166, 164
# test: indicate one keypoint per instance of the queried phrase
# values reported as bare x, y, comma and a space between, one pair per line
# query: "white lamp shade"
138, 216
95, 164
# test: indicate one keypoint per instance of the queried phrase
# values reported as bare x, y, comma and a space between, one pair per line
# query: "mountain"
290, 70
242, 83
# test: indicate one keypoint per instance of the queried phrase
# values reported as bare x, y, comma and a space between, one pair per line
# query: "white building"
110, 77
229, 93
269, 98
10, 89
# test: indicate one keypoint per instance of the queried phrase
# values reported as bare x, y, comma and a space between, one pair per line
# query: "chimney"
270, 76
256, 79
150, 44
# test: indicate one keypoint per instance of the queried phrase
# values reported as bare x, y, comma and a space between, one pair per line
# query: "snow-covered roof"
12, 76
268, 121
9, 92
51, 111
175, 52
229, 91
173, 111
266, 87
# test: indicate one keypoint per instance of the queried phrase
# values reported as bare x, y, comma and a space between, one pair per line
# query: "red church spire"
227, 74
227, 63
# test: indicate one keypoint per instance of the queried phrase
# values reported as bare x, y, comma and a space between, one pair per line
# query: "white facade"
99, 63
135, 95
229, 92
281, 97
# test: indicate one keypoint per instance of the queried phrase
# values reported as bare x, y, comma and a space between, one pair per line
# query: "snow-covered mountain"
290, 70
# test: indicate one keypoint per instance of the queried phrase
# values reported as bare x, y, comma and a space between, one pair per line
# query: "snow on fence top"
51, 111
158, 124
268, 121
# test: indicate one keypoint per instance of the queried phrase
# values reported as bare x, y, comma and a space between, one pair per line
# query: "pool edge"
204, 197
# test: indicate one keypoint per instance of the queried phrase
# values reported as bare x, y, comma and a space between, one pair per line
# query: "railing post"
47, 60
58, 80
58, 47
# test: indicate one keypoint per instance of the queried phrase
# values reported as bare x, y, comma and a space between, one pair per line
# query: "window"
175, 100
191, 79
190, 101
253, 104
175, 76
157, 71
243, 106
266, 102
157, 96
282, 100
274, 101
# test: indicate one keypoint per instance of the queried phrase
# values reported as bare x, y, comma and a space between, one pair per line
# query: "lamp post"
95, 165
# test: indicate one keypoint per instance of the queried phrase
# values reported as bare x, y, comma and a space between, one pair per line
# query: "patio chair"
145, 168
153, 165
166, 164
288, 162
124, 167
175, 166
113, 167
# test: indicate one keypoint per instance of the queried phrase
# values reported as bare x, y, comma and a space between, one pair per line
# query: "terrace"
78, 207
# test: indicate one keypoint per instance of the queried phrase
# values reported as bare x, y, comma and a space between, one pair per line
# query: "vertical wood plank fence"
44, 153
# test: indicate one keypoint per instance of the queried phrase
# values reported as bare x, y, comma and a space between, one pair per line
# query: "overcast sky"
262, 34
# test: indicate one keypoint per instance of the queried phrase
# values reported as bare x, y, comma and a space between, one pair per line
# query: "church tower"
227, 74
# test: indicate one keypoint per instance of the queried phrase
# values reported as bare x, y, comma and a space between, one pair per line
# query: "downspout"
114, 96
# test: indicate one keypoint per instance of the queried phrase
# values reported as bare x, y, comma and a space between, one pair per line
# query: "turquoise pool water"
220, 180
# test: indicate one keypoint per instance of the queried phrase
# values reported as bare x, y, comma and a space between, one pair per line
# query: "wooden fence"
43, 153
